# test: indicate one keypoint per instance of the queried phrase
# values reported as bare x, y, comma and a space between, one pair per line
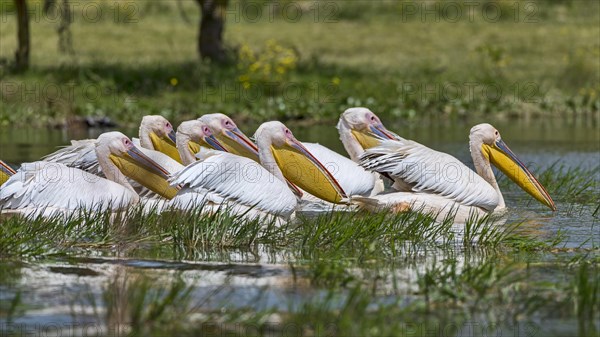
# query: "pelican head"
296, 163
361, 129
486, 139
157, 133
131, 162
5, 172
230, 136
195, 134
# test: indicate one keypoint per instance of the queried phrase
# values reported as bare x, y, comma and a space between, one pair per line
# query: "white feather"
427, 171
46, 188
224, 177
438, 206
80, 154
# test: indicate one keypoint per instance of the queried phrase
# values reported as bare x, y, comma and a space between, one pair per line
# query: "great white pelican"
48, 188
230, 136
361, 129
440, 183
191, 137
258, 189
156, 133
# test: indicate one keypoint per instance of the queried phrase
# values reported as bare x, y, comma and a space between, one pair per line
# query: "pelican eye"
206, 131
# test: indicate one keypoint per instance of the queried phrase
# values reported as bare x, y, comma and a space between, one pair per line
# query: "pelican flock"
209, 163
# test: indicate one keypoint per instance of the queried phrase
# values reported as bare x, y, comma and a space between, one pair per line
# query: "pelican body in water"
257, 189
440, 183
48, 188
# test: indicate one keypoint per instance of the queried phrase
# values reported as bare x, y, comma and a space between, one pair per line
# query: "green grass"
362, 54
357, 267
333, 235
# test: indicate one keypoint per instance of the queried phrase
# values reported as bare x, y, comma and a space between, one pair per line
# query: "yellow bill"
372, 136
304, 170
137, 166
234, 141
165, 145
506, 161
193, 147
210, 142
5, 172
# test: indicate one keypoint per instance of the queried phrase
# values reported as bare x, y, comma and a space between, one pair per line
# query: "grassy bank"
308, 61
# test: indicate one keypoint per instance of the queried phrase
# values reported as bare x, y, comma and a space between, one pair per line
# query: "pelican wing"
354, 179
81, 154
45, 187
234, 178
427, 171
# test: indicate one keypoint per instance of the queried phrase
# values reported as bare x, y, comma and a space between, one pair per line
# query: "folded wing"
418, 168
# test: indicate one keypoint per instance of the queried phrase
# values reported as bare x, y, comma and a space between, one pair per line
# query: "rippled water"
63, 291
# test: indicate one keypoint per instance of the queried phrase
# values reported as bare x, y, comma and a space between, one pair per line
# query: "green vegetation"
368, 274
402, 59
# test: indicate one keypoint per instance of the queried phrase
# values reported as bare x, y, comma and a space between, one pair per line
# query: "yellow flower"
336, 81
254, 67
174, 81
267, 69
288, 60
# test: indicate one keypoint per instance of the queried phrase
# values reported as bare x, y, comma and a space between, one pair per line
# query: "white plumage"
80, 154
47, 189
440, 183
424, 170
226, 178
436, 205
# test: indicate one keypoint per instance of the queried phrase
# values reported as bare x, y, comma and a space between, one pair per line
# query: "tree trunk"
210, 35
22, 54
